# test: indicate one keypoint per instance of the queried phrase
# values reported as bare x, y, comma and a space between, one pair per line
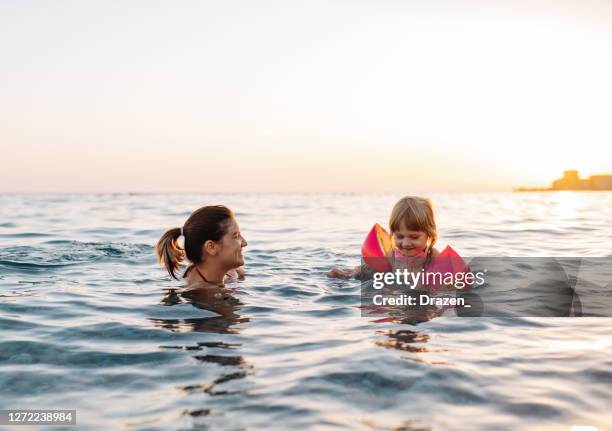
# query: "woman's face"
231, 245
410, 242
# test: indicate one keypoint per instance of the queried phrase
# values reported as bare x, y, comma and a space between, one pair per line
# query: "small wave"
329, 312
35, 352
25, 235
290, 291
532, 410
340, 298
30, 265
362, 381
58, 253
113, 331
16, 324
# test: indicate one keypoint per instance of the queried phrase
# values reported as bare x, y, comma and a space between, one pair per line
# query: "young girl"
213, 245
414, 233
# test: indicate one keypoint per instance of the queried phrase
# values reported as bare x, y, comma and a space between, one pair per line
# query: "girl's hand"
241, 272
343, 273
235, 274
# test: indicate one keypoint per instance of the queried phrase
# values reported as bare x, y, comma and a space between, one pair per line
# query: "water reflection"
404, 339
406, 425
221, 360
396, 313
209, 388
218, 300
409, 341
226, 305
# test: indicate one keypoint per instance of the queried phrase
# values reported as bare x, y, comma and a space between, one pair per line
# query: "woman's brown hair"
204, 224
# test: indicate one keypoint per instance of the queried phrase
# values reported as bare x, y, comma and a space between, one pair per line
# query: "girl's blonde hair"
415, 213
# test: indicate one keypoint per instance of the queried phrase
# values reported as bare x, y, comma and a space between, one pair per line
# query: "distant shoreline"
572, 182
535, 189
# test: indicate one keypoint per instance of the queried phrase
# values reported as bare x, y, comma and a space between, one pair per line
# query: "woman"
213, 246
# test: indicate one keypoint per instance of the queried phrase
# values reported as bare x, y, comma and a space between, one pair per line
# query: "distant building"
601, 182
571, 181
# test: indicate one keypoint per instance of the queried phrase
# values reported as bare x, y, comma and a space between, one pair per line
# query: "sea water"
90, 322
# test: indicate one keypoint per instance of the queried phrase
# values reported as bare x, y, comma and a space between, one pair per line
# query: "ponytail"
204, 224
169, 253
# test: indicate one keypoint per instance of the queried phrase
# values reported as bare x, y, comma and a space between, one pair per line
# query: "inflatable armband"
449, 261
376, 247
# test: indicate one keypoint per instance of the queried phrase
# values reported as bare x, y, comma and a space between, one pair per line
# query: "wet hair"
204, 224
415, 213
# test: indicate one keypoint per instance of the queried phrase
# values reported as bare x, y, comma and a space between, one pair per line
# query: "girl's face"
410, 242
231, 245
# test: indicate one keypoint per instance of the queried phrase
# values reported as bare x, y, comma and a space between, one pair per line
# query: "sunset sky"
198, 96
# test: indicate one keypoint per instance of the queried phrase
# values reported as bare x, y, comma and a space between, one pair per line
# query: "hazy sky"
302, 95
